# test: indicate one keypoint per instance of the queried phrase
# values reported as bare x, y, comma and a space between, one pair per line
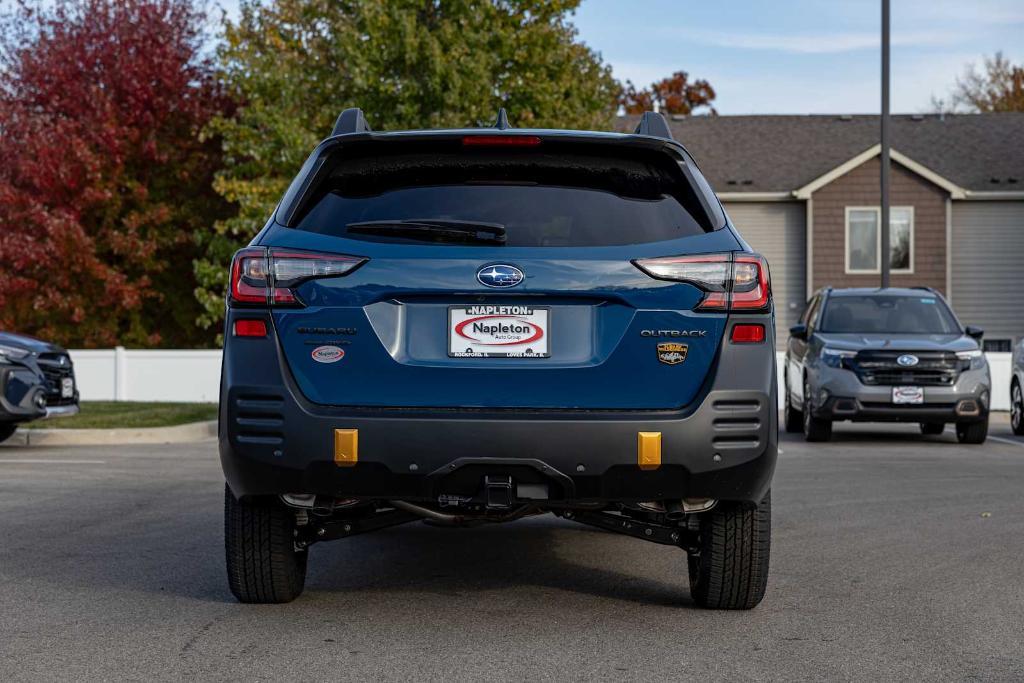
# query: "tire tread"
731, 571
262, 564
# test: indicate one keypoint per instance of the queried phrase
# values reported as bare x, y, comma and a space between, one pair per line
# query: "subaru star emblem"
907, 360
499, 275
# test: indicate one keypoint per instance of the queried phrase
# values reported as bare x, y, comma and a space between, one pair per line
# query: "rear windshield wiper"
433, 230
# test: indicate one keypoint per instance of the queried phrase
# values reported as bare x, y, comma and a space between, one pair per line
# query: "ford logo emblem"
499, 275
907, 360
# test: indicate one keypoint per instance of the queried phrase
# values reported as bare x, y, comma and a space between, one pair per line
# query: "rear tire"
1017, 409
7, 431
932, 428
814, 429
972, 432
794, 419
259, 539
729, 570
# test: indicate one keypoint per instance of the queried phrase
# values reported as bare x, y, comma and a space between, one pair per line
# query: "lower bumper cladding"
726, 449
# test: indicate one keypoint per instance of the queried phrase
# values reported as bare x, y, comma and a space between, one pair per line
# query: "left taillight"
268, 277
736, 282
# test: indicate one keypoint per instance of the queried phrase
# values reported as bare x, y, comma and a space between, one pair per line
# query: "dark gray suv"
885, 355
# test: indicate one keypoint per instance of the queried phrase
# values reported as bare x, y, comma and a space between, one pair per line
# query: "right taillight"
750, 287
738, 282
269, 276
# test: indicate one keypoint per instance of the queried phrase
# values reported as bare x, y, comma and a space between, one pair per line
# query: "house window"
864, 239
998, 345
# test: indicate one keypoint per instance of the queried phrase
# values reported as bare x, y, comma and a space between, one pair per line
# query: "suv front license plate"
498, 332
67, 387
908, 395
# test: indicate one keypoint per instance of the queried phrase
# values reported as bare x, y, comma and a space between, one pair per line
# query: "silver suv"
885, 355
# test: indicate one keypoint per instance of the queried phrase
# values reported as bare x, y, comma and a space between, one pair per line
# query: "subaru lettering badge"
907, 360
499, 275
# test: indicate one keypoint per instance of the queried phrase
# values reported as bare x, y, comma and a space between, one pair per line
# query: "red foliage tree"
105, 176
672, 95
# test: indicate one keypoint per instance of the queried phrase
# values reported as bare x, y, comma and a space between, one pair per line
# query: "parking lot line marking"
995, 438
1009, 441
43, 461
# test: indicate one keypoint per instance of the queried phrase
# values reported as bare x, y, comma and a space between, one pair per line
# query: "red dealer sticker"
328, 354
498, 332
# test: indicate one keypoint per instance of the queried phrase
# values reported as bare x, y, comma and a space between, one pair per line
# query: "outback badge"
672, 353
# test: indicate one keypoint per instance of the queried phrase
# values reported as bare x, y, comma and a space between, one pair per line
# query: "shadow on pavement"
542, 552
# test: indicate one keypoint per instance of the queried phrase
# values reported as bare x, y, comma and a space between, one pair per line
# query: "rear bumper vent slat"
259, 419
728, 442
736, 424
737, 406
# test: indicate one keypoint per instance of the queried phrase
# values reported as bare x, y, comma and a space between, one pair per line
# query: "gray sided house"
804, 191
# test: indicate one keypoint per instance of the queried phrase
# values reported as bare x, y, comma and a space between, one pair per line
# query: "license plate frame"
908, 395
67, 387
490, 344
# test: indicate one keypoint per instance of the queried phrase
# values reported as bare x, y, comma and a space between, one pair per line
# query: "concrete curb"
186, 433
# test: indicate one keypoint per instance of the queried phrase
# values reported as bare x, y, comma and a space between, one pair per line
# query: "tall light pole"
884, 219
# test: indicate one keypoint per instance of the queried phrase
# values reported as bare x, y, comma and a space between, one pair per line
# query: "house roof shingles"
783, 153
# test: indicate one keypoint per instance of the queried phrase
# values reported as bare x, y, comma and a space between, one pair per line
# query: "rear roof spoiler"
351, 121
654, 124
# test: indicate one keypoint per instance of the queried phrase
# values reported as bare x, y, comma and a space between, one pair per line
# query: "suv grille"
55, 371
934, 368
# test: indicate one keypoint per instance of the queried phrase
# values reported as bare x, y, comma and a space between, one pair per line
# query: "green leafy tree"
295, 64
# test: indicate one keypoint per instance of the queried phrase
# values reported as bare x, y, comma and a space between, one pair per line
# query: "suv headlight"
12, 353
834, 357
975, 358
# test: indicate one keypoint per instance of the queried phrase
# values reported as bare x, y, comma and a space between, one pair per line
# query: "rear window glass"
888, 314
538, 199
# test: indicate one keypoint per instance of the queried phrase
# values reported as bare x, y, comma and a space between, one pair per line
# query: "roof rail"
351, 121
654, 124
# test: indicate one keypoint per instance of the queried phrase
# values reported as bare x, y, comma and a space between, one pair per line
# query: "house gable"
954, 190
858, 188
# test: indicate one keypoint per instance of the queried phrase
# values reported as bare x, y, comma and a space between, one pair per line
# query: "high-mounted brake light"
739, 283
500, 141
269, 276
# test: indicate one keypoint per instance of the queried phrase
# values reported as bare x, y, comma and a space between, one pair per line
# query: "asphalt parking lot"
894, 556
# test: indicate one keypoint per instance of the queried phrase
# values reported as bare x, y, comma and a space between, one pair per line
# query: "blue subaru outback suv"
473, 326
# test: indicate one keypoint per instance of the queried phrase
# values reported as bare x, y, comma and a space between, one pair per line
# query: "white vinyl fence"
148, 375
194, 376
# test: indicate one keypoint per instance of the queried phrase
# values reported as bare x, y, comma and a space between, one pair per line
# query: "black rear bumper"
273, 441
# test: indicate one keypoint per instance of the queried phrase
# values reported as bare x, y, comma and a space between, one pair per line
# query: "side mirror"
799, 331
974, 332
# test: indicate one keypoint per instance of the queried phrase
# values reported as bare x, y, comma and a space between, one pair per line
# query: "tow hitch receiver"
498, 492
665, 534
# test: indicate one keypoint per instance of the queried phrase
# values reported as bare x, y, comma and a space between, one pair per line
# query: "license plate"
498, 332
67, 387
907, 395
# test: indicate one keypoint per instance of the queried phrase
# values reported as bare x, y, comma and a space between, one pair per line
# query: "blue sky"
799, 56
802, 56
